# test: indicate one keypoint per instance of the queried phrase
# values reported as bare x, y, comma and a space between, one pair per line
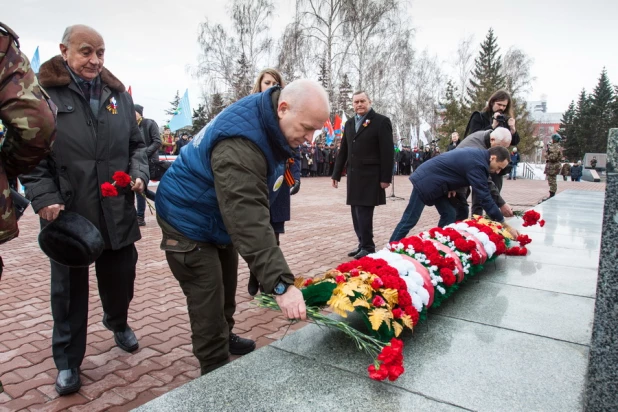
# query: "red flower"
397, 313
122, 179
523, 251
378, 301
541, 223
108, 190
448, 277
404, 298
308, 282
523, 240
378, 374
413, 313
395, 371
340, 279
377, 283
513, 251
354, 272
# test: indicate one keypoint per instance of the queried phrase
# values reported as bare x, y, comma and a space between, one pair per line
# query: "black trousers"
362, 219
477, 209
115, 270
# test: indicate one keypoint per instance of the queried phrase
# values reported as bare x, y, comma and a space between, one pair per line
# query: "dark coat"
483, 121
152, 138
576, 171
454, 170
369, 155
426, 156
515, 158
452, 146
86, 154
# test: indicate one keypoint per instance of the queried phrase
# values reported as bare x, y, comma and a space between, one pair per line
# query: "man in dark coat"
367, 150
318, 158
454, 142
97, 136
436, 181
152, 139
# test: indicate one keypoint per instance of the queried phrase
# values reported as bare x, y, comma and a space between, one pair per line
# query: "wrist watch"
280, 288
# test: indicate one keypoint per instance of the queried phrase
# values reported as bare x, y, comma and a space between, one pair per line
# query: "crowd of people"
226, 194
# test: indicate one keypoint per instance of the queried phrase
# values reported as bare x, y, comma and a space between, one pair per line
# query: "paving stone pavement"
317, 239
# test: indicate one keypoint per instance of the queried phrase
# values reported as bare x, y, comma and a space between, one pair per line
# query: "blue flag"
36, 61
182, 116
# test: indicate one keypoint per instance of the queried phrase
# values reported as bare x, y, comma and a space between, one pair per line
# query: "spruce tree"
174, 103
216, 106
581, 124
345, 96
323, 75
601, 114
570, 143
455, 116
487, 75
200, 119
243, 78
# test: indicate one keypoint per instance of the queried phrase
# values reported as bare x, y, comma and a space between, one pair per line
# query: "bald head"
302, 109
83, 49
500, 137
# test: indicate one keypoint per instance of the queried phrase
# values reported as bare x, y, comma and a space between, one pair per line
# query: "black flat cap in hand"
71, 240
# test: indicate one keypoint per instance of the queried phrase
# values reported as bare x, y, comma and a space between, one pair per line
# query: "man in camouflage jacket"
552, 165
30, 125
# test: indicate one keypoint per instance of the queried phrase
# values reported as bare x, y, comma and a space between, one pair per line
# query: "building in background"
545, 124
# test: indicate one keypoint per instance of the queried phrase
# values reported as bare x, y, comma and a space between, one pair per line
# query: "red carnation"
413, 313
122, 179
523, 251
541, 223
404, 298
378, 301
377, 283
340, 279
308, 282
523, 240
354, 272
448, 277
108, 190
378, 374
397, 313
395, 371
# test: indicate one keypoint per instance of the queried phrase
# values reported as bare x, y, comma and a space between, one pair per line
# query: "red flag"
337, 125
129, 91
328, 128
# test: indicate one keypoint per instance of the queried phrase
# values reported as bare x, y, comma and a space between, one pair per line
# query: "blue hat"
556, 137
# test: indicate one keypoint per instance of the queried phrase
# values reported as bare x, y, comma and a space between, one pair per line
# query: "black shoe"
253, 286
362, 254
354, 252
552, 194
240, 346
68, 381
141, 221
126, 339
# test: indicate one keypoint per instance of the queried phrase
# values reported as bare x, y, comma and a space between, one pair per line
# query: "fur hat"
71, 240
140, 109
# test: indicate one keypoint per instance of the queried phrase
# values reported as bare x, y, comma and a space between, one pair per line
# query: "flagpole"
392, 196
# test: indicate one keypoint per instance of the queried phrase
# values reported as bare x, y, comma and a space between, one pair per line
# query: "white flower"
441, 289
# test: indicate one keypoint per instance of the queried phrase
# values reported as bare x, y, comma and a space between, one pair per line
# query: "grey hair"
356, 93
66, 37
502, 135
68, 32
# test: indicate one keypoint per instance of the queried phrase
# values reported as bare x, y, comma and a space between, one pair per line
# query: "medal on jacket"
366, 123
278, 183
113, 106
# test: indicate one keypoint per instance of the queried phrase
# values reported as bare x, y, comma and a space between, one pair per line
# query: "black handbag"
158, 168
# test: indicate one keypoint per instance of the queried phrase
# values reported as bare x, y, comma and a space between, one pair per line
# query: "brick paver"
317, 239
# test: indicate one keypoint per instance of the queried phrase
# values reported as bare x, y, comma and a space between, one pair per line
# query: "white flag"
422, 136
413, 137
399, 145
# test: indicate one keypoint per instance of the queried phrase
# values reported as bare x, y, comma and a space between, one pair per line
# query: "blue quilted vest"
186, 197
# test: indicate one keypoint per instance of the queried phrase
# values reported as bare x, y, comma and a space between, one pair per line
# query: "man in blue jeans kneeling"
434, 184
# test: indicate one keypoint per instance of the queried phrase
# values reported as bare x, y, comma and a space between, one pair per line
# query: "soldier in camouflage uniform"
29, 119
552, 165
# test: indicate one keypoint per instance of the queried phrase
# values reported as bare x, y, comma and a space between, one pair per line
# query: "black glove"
294, 189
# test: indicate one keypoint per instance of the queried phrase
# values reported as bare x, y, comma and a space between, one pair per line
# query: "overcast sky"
150, 43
